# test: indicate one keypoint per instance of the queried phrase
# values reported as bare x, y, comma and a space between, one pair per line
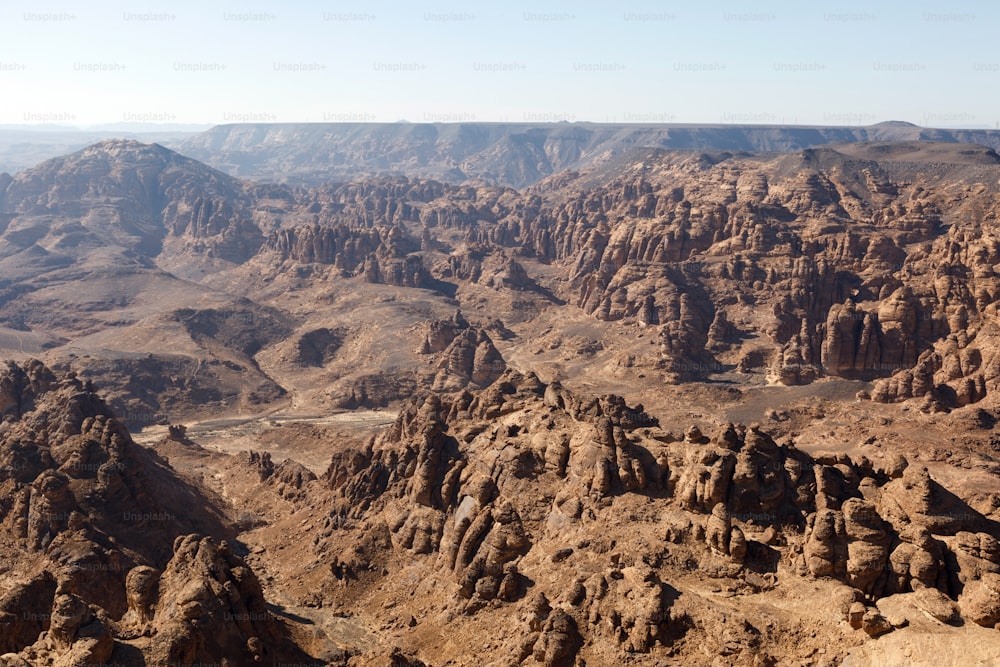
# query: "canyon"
608, 401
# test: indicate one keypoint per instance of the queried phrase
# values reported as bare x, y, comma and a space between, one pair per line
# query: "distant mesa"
895, 123
511, 154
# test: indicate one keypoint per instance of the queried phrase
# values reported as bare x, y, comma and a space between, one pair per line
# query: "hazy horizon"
637, 62
201, 127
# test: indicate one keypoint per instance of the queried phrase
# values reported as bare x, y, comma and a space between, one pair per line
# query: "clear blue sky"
851, 63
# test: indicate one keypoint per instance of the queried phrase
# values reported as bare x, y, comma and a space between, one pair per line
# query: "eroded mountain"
486, 398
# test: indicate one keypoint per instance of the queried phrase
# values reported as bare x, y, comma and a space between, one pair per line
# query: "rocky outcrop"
490, 267
868, 619
859, 343
557, 643
837, 261
851, 544
376, 255
470, 358
288, 478
848, 262
466, 354
793, 364
24, 612
77, 635
407, 271
73, 470
210, 607
341, 246
141, 591
441, 333
980, 601
486, 553
458, 481
90, 519
723, 537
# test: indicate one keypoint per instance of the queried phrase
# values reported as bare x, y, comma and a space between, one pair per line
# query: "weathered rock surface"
463, 481
91, 519
538, 521
210, 608
155, 195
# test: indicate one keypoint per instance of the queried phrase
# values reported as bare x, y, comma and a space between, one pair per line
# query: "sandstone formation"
89, 520
665, 409
871, 262
463, 483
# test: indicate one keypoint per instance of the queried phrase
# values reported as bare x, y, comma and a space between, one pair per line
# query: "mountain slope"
126, 196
